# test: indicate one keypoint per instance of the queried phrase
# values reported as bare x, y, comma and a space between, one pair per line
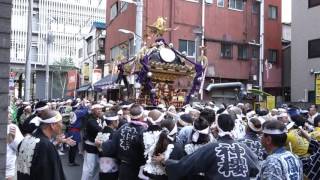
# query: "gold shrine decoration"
158, 28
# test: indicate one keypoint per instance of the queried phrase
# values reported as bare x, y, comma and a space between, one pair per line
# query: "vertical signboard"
271, 102
72, 82
317, 88
96, 75
86, 73
11, 83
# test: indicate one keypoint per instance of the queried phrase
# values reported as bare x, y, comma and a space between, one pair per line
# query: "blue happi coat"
76, 117
281, 165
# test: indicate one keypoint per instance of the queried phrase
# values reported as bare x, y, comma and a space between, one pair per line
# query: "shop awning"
107, 82
83, 88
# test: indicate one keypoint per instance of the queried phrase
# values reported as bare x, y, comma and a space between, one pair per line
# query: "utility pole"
49, 43
139, 23
261, 55
28, 55
203, 14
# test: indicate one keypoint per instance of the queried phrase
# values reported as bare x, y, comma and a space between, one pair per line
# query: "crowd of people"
127, 141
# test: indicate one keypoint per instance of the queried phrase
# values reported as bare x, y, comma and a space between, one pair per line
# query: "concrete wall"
5, 30
305, 27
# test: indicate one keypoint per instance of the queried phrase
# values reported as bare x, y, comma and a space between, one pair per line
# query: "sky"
286, 11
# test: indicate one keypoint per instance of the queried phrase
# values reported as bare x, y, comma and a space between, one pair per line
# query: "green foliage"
60, 68
63, 65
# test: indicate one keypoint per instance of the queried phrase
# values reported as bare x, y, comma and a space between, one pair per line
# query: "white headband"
53, 119
137, 116
253, 128
197, 133
274, 131
126, 106
120, 112
42, 108
113, 118
221, 132
174, 130
96, 106
160, 118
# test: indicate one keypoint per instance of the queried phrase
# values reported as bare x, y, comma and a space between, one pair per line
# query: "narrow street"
72, 173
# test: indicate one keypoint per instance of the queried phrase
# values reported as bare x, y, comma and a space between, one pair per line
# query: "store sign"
317, 88
96, 75
12, 76
86, 72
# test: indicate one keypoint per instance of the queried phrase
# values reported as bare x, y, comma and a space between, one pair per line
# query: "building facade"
91, 56
63, 21
5, 20
305, 49
231, 37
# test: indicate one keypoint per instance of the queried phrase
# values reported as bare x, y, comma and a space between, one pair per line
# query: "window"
115, 51
89, 45
80, 53
255, 7
243, 52
255, 53
273, 12
188, 47
236, 4
313, 3
123, 6
226, 50
314, 48
113, 11
131, 48
34, 53
273, 56
220, 3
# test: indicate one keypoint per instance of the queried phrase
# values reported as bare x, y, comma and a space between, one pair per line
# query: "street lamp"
125, 31
129, 1
139, 16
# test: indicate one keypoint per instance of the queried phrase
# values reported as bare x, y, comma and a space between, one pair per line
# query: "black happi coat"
225, 159
92, 128
127, 146
45, 163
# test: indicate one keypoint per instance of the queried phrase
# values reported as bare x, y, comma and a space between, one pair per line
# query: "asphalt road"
74, 172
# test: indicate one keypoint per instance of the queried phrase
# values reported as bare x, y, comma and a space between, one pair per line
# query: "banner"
317, 88
72, 82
